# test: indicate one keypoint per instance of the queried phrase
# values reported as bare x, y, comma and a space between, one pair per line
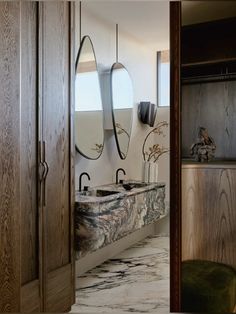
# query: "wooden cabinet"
208, 52
36, 111
209, 42
209, 212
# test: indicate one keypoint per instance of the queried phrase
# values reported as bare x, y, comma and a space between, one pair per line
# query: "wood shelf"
209, 62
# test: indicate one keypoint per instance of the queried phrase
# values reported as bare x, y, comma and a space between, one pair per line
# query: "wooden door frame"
175, 157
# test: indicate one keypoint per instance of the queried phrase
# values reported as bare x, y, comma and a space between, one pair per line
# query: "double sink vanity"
107, 213
110, 212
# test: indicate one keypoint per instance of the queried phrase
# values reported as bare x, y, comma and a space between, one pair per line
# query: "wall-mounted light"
147, 112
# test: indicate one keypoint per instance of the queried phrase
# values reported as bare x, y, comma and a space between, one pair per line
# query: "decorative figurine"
204, 149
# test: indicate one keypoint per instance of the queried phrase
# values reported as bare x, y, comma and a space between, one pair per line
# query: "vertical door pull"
46, 170
42, 170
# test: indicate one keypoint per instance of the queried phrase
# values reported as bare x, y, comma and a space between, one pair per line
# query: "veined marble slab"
135, 281
103, 220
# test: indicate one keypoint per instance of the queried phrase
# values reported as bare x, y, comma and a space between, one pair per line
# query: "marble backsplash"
101, 223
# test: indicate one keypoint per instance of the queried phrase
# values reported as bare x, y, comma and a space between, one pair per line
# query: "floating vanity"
107, 213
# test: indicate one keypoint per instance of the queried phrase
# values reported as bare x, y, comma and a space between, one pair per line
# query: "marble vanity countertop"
80, 198
122, 192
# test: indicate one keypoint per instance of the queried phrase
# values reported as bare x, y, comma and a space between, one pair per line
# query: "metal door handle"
46, 170
42, 171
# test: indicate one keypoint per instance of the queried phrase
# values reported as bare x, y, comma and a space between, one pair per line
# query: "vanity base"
94, 259
100, 223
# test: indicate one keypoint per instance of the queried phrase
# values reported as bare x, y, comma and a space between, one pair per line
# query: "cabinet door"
55, 64
9, 156
19, 255
31, 261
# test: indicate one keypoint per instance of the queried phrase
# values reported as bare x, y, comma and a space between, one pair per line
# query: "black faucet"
80, 179
117, 172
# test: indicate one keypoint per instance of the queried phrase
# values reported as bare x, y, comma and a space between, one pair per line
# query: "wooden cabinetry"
209, 42
209, 212
208, 51
36, 210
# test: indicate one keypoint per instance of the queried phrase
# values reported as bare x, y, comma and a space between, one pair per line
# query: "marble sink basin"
98, 193
129, 185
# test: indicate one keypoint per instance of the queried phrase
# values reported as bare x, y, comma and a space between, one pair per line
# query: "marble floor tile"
134, 281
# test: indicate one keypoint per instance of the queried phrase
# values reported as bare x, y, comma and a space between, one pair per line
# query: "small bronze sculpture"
204, 149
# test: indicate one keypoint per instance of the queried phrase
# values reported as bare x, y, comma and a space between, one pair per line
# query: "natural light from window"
163, 72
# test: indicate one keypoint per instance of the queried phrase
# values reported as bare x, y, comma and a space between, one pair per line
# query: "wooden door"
36, 233
19, 249
31, 292
55, 96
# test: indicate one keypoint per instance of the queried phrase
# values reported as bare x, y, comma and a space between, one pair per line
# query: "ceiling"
146, 21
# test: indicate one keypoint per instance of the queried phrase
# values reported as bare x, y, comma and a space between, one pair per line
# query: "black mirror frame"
122, 155
76, 64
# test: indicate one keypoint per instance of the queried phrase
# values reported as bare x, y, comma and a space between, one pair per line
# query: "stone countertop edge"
120, 195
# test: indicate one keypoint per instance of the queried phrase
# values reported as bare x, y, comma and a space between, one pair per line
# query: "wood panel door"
55, 76
31, 272
19, 229
36, 217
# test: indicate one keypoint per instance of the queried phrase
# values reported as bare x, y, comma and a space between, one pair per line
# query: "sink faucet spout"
80, 179
117, 174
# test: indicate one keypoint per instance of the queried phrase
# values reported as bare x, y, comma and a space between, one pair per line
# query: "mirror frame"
76, 63
113, 116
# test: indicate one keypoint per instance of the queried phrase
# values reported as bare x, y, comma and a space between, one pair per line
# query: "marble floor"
135, 281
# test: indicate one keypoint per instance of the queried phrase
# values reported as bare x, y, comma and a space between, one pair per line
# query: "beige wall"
141, 64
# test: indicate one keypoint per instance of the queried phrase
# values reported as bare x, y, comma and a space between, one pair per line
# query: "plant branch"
155, 129
162, 153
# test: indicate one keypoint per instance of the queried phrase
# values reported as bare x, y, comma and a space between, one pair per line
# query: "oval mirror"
89, 131
122, 107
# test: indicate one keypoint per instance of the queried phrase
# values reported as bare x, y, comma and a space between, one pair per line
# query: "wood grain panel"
28, 154
9, 156
56, 69
72, 147
57, 112
175, 156
209, 215
30, 297
211, 105
58, 297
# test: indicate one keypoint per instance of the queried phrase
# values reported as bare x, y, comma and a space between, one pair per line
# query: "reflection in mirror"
122, 105
89, 133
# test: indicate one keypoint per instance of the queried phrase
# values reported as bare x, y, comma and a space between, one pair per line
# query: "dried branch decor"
121, 130
156, 151
98, 148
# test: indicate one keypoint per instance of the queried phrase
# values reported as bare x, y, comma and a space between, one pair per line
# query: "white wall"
141, 64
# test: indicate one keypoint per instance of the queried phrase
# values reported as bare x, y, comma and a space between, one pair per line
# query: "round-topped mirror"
89, 131
122, 107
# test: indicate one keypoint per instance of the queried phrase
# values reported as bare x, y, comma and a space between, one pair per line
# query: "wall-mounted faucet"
117, 174
80, 179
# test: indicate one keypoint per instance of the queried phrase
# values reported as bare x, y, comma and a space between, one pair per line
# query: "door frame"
175, 156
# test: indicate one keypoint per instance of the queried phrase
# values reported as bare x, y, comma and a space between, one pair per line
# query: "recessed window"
163, 78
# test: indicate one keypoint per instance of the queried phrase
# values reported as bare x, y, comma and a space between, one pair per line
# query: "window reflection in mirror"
89, 133
122, 104
163, 78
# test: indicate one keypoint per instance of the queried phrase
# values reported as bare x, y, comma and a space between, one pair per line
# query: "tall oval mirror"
89, 131
122, 107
